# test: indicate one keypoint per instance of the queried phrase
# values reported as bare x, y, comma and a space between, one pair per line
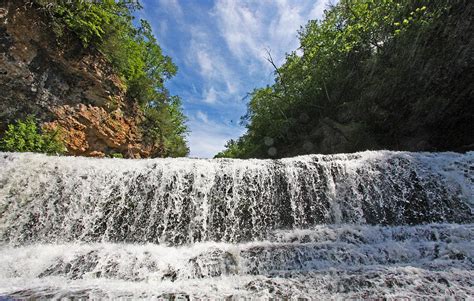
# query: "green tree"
371, 74
164, 126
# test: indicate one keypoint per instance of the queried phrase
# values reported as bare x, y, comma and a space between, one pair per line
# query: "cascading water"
365, 225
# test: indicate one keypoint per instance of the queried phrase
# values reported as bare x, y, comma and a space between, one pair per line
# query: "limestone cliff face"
66, 87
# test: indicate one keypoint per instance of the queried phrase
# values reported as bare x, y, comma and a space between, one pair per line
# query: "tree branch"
269, 58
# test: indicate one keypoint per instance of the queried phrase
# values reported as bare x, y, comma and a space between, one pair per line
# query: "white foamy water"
365, 225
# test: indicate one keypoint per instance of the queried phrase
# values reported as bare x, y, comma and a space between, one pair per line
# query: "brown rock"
96, 154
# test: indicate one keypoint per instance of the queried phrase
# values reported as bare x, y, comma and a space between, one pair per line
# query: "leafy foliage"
116, 155
109, 26
165, 127
24, 136
372, 74
232, 150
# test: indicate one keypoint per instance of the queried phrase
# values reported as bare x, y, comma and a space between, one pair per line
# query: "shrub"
24, 136
117, 155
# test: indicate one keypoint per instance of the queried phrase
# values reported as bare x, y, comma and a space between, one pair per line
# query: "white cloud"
206, 65
241, 25
208, 137
231, 87
210, 96
212, 66
252, 26
202, 116
318, 9
220, 80
171, 7
162, 29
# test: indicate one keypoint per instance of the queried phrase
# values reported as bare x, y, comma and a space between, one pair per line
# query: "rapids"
364, 225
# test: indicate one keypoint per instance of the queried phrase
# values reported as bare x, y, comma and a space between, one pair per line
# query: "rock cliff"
65, 86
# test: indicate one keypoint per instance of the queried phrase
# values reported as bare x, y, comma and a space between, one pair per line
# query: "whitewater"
375, 224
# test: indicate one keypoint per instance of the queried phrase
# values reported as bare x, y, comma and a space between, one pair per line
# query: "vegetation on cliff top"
372, 74
110, 27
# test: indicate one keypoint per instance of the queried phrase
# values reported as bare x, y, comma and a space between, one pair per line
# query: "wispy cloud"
241, 25
251, 27
220, 81
210, 96
202, 116
209, 136
211, 62
171, 7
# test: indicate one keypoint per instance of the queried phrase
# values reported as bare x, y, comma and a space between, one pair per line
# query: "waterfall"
370, 224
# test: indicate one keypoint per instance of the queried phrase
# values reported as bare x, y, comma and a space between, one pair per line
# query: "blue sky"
220, 47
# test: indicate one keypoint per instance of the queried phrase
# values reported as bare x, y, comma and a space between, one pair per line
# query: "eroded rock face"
64, 85
93, 131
